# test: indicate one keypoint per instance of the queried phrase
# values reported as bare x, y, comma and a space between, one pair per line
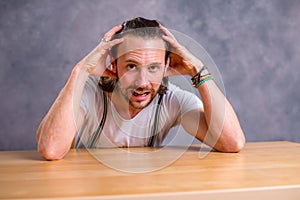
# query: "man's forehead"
139, 45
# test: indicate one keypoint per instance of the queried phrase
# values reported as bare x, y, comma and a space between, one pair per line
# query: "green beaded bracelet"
206, 79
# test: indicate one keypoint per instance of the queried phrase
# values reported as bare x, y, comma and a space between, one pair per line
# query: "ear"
111, 70
168, 62
114, 66
168, 69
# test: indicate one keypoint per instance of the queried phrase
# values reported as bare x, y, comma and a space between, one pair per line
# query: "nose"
141, 79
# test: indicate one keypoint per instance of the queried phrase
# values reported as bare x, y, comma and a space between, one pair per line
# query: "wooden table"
264, 170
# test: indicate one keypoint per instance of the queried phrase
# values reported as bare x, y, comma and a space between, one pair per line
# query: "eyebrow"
131, 61
135, 62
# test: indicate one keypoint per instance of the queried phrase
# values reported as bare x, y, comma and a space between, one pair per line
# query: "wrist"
79, 72
202, 76
195, 70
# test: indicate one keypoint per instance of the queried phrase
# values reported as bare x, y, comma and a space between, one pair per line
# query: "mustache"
134, 88
140, 89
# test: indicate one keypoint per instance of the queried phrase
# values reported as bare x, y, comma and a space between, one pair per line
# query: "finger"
171, 41
169, 37
108, 36
111, 58
166, 31
112, 43
107, 46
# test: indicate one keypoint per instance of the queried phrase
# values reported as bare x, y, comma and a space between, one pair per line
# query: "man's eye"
153, 68
131, 67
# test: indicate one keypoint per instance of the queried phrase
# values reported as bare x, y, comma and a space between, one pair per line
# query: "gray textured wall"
255, 44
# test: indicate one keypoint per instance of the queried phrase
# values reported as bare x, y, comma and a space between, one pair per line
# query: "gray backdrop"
255, 44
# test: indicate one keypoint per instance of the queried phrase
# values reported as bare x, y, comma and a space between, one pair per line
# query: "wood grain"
264, 169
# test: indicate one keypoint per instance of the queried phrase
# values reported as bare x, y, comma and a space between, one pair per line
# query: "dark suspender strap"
93, 140
155, 124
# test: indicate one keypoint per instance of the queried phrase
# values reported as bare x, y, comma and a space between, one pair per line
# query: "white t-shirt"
121, 132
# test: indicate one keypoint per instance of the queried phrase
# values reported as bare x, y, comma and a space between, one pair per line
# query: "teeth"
140, 94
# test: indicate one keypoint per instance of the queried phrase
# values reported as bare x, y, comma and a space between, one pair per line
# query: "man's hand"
95, 62
182, 62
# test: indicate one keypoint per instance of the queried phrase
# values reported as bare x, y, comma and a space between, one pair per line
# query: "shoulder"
91, 93
175, 91
91, 87
92, 82
179, 98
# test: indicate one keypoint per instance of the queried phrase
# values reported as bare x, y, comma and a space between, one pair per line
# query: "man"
132, 103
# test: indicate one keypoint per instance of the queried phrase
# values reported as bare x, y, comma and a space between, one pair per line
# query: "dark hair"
140, 27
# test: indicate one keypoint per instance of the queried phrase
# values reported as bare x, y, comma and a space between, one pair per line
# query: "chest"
118, 131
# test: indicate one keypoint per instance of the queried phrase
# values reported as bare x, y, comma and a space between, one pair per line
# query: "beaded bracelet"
199, 77
205, 79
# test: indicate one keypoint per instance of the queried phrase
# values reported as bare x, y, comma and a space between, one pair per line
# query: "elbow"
233, 144
236, 145
48, 149
50, 153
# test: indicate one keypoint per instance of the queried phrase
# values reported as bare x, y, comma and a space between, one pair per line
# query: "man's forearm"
57, 129
224, 130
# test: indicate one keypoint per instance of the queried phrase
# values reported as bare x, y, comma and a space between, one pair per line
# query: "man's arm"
218, 125
58, 128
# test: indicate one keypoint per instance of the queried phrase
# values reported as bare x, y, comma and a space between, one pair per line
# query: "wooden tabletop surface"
262, 169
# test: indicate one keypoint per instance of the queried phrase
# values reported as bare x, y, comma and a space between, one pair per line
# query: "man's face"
140, 69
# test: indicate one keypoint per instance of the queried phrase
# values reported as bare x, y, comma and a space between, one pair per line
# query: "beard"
136, 97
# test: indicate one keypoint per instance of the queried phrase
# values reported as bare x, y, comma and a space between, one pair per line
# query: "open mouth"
140, 94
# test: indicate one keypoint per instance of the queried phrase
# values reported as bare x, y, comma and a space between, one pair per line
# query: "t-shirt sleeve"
188, 101
88, 94
181, 102
88, 103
